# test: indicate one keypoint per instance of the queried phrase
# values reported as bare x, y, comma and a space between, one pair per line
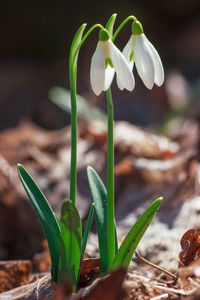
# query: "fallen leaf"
38, 290
42, 260
89, 269
106, 288
190, 244
14, 274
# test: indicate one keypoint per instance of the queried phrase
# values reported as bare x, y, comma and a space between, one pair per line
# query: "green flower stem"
110, 182
122, 25
110, 165
73, 172
73, 75
85, 37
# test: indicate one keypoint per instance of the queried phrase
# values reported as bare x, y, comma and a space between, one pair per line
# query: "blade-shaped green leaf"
75, 43
70, 243
99, 197
87, 229
131, 241
85, 110
46, 216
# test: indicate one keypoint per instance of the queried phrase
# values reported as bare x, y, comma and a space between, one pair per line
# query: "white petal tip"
130, 89
159, 84
120, 88
97, 93
160, 81
149, 86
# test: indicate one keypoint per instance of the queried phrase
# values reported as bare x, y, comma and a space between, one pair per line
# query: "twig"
155, 266
161, 297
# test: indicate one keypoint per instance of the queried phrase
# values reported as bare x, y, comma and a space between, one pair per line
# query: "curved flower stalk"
107, 59
146, 58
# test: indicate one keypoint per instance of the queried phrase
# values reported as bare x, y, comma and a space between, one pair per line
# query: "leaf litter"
147, 166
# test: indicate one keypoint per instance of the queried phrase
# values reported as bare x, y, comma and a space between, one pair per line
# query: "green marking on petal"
108, 62
137, 28
132, 56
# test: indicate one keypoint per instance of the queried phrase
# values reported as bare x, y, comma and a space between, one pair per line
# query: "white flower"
101, 72
146, 58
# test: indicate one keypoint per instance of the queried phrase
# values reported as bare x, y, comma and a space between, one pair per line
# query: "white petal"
109, 74
159, 72
127, 52
124, 73
131, 64
119, 84
97, 69
144, 61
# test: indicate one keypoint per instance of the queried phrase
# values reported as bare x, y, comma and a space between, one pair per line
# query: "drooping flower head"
146, 58
106, 60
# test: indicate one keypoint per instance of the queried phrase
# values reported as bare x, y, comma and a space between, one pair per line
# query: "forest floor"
147, 166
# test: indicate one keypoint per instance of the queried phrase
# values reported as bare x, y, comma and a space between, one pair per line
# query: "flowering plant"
66, 242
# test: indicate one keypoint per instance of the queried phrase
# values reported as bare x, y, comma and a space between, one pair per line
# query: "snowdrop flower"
146, 58
106, 60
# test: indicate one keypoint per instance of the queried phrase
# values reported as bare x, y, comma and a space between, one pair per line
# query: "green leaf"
87, 229
85, 110
131, 241
46, 216
99, 197
70, 244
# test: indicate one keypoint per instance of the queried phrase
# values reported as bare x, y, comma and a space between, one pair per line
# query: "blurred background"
35, 42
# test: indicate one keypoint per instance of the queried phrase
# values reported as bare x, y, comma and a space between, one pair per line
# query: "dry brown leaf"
18, 142
38, 290
190, 244
154, 170
89, 269
97, 132
42, 261
106, 288
130, 139
14, 274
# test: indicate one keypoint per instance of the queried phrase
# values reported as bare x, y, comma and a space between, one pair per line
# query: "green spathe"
104, 35
137, 28
110, 24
